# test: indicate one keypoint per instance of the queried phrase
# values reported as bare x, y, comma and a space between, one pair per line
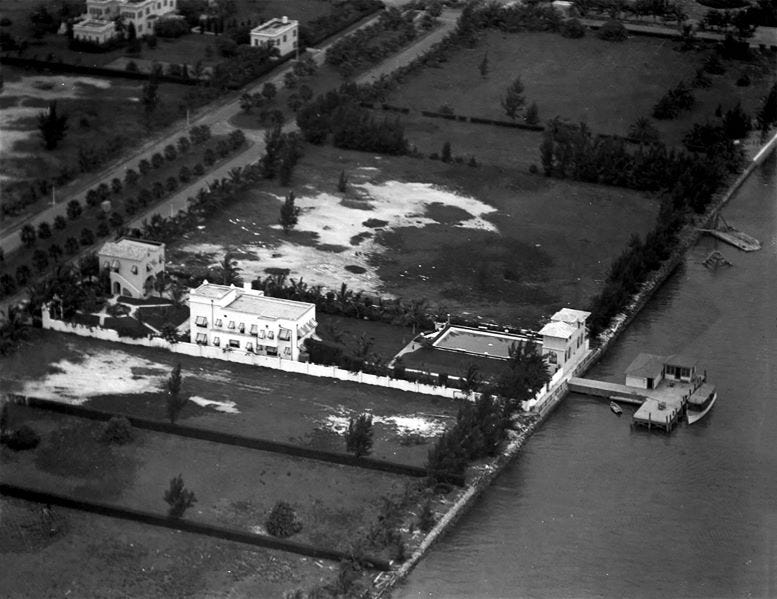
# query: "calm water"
594, 509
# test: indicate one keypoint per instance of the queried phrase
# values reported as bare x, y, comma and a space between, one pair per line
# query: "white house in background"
564, 336
100, 15
245, 319
282, 34
564, 8
133, 265
645, 372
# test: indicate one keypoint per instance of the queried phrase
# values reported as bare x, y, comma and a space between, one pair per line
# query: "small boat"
616, 409
700, 402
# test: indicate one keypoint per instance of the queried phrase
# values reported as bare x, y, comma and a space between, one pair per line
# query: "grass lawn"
386, 339
235, 487
538, 245
260, 403
608, 86
96, 556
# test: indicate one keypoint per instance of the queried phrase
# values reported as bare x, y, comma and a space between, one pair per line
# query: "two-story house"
133, 265
99, 23
242, 318
282, 34
564, 336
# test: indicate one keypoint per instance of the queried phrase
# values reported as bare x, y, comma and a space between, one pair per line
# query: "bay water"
594, 508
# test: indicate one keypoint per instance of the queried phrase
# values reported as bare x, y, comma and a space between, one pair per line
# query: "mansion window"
241, 327
218, 322
249, 346
261, 334
201, 321
284, 334
552, 358
231, 325
270, 335
134, 269
234, 343
201, 339
254, 329
216, 341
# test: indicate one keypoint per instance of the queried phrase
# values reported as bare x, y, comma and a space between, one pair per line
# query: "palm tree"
229, 270
643, 131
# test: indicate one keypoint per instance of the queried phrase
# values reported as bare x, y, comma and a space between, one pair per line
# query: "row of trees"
482, 426
373, 43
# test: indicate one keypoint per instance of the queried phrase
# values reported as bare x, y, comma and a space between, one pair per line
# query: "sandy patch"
399, 204
220, 406
424, 425
103, 373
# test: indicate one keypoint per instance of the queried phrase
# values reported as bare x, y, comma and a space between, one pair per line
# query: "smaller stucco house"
133, 265
242, 318
282, 34
564, 336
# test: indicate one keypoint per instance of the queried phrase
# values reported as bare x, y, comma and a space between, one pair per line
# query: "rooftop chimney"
284, 19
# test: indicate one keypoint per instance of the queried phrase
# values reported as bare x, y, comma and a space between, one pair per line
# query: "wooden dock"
739, 240
611, 391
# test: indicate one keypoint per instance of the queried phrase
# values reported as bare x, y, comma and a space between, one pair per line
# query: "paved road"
218, 120
216, 115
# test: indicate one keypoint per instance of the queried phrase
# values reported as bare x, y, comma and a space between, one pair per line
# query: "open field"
97, 108
95, 556
484, 240
235, 487
607, 86
232, 398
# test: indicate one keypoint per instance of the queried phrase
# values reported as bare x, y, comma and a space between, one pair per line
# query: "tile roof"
570, 316
562, 330
130, 249
269, 307
646, 366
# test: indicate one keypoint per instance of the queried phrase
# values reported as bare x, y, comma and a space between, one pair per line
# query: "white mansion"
99, 25
245, 319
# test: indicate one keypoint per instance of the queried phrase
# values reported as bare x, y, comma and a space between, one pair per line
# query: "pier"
725, 232
610, 391
660, 386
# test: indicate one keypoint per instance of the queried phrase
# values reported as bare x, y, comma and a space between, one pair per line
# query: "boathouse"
645, 372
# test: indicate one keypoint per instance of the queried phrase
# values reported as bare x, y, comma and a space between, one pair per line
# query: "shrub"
157, 160
198, 169
209, 157
612, 31
446, 152
282, 521
144, 166
87, 237
73, 209
22, 438
60, 222
743, 80
44, 230
178, 498
572, 28
71, 245
131, 67
532, 114
117, 430
183, 144
358, 438
170, 152
184, 174
426, 519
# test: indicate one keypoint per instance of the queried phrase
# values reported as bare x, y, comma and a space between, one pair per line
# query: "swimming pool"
476, 341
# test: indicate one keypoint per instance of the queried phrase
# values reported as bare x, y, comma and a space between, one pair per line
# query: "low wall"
241, 357
227, 534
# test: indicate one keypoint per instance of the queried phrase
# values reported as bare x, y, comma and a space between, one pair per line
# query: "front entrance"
116, 288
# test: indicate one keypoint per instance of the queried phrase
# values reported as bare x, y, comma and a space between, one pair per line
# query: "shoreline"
488, 472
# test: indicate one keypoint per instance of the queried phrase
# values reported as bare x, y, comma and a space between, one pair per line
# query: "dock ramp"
611, 391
